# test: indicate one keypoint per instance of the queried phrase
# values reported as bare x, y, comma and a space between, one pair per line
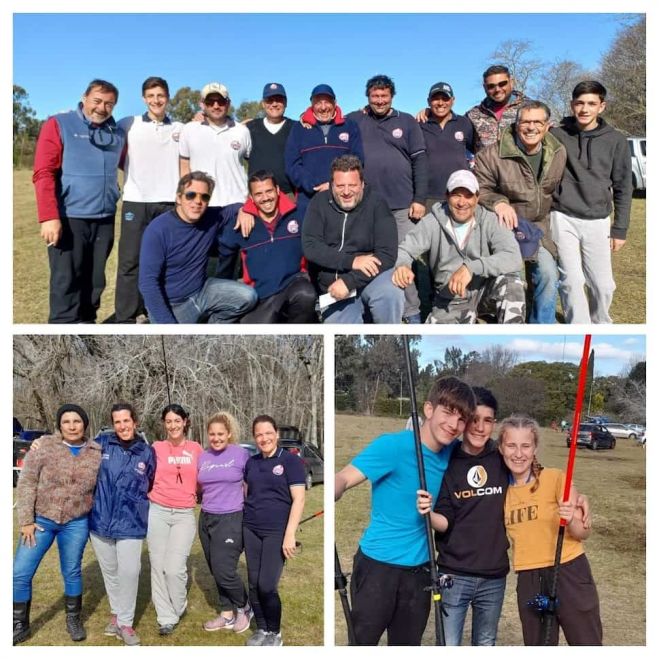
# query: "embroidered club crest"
235, 145
141, 467
397, 133
293, 226
129, 217
459, 136
344, 137
278, 470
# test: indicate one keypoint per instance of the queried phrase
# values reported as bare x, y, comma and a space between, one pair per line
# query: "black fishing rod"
341, 584
435, 587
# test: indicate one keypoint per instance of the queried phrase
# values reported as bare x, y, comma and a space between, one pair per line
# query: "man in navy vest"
75, 180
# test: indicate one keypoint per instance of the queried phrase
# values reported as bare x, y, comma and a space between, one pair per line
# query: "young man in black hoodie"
597, 178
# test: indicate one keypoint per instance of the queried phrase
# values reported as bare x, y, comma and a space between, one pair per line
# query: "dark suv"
291, 438
594, 436
22, 441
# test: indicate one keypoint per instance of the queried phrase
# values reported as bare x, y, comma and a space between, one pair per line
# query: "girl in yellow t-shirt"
533, 509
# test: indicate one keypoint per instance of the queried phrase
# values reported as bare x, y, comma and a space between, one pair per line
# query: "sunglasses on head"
204, 196
500, 85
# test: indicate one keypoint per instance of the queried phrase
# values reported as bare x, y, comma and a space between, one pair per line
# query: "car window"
643, 147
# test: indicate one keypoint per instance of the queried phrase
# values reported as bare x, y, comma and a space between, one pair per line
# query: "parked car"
292, 439
250, 448
637, 152
23, 439
621, 431
593, 436
636, 428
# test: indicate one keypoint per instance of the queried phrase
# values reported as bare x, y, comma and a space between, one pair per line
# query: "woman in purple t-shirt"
220, 482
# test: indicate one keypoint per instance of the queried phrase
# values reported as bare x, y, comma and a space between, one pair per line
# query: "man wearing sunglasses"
219, 146
75, 181
498, 109
174, 260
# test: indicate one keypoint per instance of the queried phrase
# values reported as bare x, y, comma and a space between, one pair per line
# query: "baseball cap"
441, 88
214, 88
323, 89
462, 178
273, 89
528, 236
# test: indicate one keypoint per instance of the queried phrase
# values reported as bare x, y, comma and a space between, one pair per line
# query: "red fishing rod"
548, 604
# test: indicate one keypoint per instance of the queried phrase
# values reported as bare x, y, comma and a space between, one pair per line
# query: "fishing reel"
443, 582
543, 604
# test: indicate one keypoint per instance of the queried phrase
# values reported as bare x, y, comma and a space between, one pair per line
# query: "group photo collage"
268, 243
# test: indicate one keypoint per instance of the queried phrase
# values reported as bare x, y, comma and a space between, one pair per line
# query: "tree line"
371, 379
245, 375
622, 70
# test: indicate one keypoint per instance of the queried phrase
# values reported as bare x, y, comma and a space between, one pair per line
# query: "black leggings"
265, 563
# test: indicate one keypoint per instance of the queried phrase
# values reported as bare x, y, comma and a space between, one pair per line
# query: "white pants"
120, 562
169, 538
584, 260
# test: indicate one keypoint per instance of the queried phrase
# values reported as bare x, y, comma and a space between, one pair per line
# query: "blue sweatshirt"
173, 261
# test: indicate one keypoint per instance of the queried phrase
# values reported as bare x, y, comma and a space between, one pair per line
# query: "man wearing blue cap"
517, 177
310, 151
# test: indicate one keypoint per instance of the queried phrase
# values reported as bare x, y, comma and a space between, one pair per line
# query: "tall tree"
249, 110
624, 75
556, 84
25, 127
184, 104
517, 55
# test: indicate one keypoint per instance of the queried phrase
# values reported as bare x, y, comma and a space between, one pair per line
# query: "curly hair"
229, 422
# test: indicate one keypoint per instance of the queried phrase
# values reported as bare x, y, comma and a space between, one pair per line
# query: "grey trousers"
404, 226
169, 538
120, 562
586, 283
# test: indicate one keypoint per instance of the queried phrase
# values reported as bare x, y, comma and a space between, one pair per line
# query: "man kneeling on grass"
390, 579
174, 260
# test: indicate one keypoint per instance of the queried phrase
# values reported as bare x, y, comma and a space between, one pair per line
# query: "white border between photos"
8, 330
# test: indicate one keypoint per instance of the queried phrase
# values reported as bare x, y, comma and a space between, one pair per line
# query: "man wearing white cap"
219, 146
475, 262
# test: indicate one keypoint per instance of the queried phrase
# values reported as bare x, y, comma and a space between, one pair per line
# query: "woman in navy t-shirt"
273, 509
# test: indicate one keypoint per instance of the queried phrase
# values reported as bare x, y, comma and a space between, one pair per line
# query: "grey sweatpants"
404, 226
120, 562
169, 538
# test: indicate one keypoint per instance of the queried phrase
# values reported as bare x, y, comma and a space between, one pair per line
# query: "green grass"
31, 274
615, 484
301, 590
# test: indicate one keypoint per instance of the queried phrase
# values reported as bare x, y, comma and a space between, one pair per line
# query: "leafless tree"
517, 55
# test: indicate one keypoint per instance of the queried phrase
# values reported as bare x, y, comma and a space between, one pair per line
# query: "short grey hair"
532, 105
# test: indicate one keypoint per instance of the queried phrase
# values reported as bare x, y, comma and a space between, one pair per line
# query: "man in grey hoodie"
597, 178
475, 262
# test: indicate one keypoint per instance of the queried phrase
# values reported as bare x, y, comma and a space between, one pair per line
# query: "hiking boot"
257, 637
128, 635
272, 639
166, 630
73, 606
21, 621
242, 620
112, 628
220, 623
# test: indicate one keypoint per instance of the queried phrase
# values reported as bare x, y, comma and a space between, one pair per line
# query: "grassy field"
301, 590
31, 264
613, 480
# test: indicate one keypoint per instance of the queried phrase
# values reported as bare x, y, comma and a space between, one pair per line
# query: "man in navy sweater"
271, 256
174, 260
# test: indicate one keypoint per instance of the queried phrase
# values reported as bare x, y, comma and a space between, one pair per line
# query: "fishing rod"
341, 584
547, 604
306, 519
164, 357
435, 584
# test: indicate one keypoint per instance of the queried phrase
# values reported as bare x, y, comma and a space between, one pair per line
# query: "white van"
637, 150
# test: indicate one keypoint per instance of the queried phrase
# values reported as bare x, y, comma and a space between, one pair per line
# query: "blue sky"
56, 55
613, 353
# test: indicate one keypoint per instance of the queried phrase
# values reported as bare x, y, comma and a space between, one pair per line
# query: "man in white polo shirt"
150, 179
219, 146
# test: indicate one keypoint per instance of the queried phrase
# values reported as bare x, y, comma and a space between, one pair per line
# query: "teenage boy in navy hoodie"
597, 179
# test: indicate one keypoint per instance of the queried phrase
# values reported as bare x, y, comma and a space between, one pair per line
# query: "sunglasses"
215, 101
191, 196
494, 85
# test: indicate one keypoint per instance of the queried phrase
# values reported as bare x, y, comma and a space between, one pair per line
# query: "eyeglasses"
527, 123
191, 196
493, 85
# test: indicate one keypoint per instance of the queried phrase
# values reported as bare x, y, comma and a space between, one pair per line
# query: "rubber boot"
21, 621
74, 626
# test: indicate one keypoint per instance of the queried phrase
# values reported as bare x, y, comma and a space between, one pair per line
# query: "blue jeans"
544, 284
486, 599
380, 299
71, 541
218, 301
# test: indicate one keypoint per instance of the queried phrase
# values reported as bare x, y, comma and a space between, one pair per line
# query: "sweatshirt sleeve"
443, 505
621, 178
151, 275
228, 243
26, 490
417, 241
314, 246
295, 170
47, 169
504, 257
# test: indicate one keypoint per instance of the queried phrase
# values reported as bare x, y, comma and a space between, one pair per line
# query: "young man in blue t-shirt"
390, 571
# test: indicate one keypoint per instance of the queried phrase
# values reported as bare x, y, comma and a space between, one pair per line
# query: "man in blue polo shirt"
449, 141
174, 260
389, 585
395, 164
